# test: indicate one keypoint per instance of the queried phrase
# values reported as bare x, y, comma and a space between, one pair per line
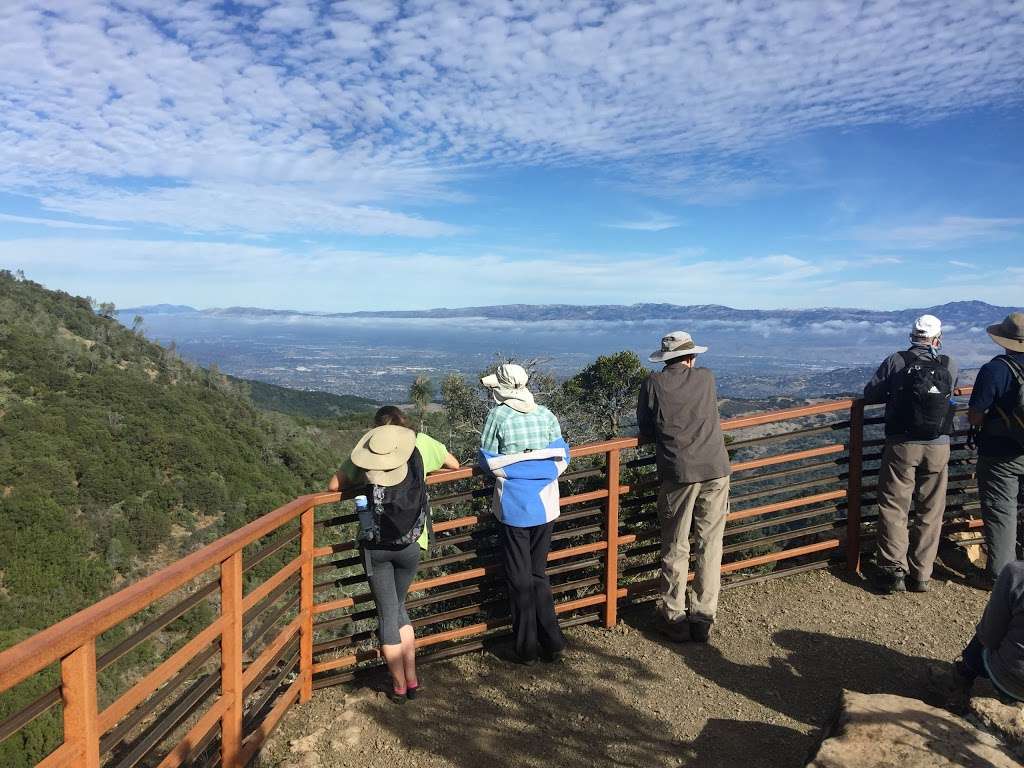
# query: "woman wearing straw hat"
995, 407
394, 460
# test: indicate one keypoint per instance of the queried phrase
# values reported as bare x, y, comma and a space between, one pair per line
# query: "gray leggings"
390, 572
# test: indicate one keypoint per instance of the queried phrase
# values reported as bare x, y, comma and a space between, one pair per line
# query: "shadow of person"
805, 682
729, 743
478, 713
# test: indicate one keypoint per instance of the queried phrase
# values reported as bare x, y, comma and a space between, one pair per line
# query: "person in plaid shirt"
518, 425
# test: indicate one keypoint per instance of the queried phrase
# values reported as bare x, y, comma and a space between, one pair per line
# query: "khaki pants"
918, 473
701, 507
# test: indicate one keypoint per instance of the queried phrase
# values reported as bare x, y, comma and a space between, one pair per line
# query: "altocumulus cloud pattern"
276, 116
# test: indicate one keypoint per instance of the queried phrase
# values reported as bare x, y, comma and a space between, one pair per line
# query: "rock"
1006, 720
881, 730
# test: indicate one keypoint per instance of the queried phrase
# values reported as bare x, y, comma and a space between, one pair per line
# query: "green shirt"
506, 430
431, 451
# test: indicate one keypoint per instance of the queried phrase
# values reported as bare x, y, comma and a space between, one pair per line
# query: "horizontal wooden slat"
271, 584
781, 505
783, 458
182, 752
258, 738
260, 663
141, 690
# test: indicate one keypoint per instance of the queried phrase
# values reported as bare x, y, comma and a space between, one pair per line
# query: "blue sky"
358, 154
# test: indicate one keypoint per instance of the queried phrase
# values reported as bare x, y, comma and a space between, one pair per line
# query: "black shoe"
551, 657
676, 631
889, 583
700, 631
412, 693
918, 585
522, 661
397, 698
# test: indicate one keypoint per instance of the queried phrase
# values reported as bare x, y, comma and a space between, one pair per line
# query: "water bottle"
365, 516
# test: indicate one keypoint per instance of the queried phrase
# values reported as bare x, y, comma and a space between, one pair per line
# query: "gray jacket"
1001, 630
882, 389
678, 411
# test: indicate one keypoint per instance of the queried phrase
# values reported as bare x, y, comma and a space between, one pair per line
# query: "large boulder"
881, 730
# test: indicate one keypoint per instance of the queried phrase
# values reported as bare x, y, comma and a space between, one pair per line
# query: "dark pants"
1001, 490
390, 572
524, 554
973, 665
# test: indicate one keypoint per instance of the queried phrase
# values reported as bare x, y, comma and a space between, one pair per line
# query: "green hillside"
115, 458
307, 405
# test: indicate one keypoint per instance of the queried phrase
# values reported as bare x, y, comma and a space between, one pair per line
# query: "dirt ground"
758, 695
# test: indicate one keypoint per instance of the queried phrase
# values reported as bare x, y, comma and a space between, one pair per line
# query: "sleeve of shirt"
984, 395
433, 452
489, 435
644, 416
954, 371
877, 390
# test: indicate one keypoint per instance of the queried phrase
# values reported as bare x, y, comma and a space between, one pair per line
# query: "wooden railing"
289, 610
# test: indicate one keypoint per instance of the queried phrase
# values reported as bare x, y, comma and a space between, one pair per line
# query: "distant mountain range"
958, 313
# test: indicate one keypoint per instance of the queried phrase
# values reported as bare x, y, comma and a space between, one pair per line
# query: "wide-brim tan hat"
383, 453
676, 344
508, 386
1009, 334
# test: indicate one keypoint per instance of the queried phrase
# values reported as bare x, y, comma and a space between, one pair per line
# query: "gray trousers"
1001, 489
917, 473
700, 508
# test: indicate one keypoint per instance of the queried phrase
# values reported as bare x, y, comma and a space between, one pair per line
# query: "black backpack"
1014, 420
398, 512
922, 397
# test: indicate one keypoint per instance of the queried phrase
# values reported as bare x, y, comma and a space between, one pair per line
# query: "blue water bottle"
365, 517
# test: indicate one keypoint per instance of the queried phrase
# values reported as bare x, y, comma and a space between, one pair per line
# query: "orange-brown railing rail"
288, 614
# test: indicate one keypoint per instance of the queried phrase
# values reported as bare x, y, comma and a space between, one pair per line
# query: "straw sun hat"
383, 453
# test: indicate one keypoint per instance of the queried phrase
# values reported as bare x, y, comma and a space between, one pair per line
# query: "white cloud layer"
357, 107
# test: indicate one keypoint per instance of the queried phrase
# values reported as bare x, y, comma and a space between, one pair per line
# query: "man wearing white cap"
997, 407
916, 386
678, 411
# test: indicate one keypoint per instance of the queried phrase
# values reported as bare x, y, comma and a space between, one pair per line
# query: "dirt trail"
781, 653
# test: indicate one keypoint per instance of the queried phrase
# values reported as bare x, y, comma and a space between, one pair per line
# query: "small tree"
137, 324
606, 390
422, 393
107, 309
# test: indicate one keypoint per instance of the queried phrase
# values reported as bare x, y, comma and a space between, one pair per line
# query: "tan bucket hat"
676, 344
508, 386
1009, 334
383, 453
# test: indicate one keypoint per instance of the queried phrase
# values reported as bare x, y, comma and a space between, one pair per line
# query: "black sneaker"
551, 657
889, 583
700, 631
676, 631
916, 585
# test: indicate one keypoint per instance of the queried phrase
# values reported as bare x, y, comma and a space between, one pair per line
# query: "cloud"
54, 223
947, 232
252, 208
375, 105
655, 222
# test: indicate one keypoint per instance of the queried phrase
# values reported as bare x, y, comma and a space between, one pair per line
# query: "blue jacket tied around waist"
526, 484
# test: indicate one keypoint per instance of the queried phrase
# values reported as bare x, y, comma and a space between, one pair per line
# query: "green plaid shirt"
509, 431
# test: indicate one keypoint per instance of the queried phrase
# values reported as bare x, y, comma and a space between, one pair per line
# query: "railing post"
231, 687
611, 567
853, 486
306, 607
78, 685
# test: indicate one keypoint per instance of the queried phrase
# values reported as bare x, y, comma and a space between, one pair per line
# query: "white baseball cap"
927, 326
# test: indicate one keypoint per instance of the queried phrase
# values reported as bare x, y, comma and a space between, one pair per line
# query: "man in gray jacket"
678, 412
916, 386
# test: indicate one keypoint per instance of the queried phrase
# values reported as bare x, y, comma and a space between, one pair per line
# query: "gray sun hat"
508, 386
1009, 334
676, 344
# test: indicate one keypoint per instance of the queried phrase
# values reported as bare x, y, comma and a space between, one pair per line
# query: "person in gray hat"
997, 411
916, 385
678, 411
